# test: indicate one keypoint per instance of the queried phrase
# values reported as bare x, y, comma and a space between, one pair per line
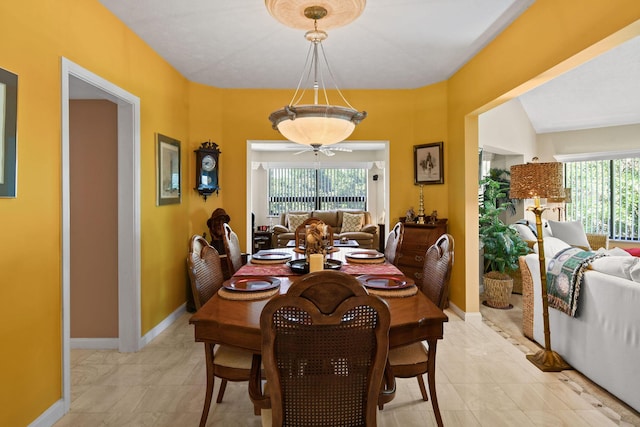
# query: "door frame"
129, 254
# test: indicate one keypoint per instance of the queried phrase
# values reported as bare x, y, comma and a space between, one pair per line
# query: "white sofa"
603, 340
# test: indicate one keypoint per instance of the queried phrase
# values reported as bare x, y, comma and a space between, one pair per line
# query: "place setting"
270, 257
365, 256
388, 285
249, 288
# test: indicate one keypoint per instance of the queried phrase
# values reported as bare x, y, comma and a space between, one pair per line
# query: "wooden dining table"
236, 323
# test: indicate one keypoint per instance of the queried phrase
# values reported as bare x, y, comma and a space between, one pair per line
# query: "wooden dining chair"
324, 351
232, 249
301, 232
225, 362
393, 241
412, 360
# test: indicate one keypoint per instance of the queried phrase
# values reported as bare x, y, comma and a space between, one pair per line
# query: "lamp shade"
531, 180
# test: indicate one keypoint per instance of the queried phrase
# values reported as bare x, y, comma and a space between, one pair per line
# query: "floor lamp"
535, 181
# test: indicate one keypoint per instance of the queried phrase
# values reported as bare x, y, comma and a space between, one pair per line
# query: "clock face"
208, 163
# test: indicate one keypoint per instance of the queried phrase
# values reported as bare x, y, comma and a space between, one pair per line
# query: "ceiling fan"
327, 151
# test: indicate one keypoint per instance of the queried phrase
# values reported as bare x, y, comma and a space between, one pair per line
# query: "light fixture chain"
334, 79
315, 71
309, 57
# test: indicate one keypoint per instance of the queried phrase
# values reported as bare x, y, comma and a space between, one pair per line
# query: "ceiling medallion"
292, 12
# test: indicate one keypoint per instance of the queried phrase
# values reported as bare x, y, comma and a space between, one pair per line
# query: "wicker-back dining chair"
393, 241
232, 249
225, 362
412, 360
324, 351
437, 270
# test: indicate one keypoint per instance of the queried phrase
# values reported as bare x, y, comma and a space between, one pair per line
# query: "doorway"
374, 155
80, 83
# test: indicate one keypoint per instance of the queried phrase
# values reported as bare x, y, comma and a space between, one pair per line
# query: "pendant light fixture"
316, 124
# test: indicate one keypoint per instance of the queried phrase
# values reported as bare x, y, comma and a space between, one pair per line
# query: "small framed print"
8, 126
168, 156
428, 163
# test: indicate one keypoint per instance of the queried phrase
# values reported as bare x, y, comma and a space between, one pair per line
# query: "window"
605, 196
292, 189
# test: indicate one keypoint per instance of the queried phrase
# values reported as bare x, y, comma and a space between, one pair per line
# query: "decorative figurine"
218, 217
411, 215
434, 217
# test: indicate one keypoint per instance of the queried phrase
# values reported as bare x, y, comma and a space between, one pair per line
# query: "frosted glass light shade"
316, 124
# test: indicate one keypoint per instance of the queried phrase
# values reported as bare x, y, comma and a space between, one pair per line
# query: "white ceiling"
602, 92
394, 44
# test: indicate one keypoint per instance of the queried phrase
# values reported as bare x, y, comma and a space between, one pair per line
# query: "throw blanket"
564, 277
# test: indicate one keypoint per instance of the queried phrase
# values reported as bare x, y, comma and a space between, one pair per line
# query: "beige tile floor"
482, 380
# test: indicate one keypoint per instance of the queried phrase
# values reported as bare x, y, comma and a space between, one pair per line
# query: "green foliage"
503, 176
606, 196
307, 189
502, 244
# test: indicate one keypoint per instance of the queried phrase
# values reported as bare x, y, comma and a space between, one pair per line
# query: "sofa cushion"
328, 217
613, 252
352, 222
525, 232
633, 251
552, 246
296, 220
627, 267
571, 232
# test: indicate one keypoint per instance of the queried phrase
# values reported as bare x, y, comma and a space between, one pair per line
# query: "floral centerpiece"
316, 239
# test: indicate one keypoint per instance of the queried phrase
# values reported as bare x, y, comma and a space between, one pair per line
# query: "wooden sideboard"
415, 241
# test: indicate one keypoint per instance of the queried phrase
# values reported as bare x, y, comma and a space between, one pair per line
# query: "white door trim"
129, 324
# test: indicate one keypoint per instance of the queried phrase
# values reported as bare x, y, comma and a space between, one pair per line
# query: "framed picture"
8, 126
168, 156
428, 164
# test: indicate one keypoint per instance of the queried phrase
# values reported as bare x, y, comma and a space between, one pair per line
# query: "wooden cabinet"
415, 241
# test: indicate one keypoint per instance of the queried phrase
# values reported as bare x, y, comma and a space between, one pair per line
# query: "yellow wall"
37, 33
391, 115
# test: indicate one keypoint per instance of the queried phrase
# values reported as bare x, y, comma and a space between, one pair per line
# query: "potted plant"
501, 243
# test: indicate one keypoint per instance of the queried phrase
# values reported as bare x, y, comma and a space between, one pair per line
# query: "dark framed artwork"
168, 156
8, 127
428, 163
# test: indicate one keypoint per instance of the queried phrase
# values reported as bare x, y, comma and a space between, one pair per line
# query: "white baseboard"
157, 330
94, 343
51, 416
473, 316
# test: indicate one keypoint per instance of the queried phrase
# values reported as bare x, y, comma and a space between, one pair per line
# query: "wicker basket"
497, 289
516, 275
527, 299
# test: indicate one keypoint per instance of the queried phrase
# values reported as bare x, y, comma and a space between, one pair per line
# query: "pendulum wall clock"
207, 166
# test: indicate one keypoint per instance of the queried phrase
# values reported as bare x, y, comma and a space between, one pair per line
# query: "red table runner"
283, 270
